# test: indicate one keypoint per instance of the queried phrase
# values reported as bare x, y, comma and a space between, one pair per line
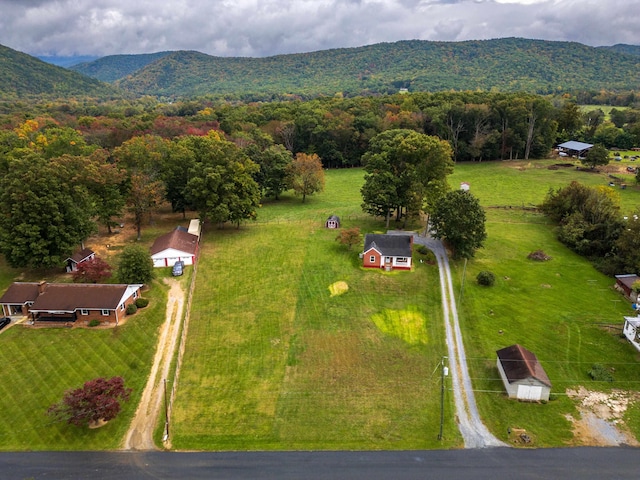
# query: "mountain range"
508, 64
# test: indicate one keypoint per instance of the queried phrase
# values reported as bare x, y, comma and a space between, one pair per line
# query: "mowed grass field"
563, 310
39, 365
273, 361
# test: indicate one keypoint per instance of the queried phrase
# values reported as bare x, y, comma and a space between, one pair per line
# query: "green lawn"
518, 183
39, 365
274, 362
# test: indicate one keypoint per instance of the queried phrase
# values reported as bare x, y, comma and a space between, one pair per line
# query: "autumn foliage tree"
92, 271
349, 237
307, 176
97, 400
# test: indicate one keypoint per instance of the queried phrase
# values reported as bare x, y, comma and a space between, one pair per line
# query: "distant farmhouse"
574, 149
391, 252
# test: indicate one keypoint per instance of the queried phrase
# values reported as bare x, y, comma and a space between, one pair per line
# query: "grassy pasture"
519, 183
39, 365
273, 361
562, 309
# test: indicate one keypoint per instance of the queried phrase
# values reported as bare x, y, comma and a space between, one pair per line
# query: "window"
105, 313
121, 306
135, 294
372, 259
401, 260
84, 311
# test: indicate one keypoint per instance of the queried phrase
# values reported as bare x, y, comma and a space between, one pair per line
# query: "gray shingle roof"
388, 245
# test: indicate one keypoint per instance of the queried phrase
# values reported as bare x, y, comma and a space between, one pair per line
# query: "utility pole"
166, 413
464, 273
443, 373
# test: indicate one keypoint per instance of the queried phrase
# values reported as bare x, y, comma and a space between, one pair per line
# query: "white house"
174, 246
631, 330
522, 375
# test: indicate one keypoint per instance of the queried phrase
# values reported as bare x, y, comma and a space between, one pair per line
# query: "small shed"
195, 227
522, 375
77, 258
332, 222
624, 283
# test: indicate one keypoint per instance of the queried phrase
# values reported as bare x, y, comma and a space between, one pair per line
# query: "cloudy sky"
268, 27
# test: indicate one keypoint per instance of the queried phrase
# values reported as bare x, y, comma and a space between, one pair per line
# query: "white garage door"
529, 392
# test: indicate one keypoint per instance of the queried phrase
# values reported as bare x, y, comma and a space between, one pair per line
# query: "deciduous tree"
349, 237
221, 185
43, 215
92, 271
459, 219
97, 400
597, 155
307, 175
135, 265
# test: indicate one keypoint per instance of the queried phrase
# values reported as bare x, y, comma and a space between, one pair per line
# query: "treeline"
66, 166
591, 223
478, 125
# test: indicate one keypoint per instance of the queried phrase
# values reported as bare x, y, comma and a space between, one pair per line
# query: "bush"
423, 250
131, 309
142, 302
538, 256
600, 373
94, 323
486, 278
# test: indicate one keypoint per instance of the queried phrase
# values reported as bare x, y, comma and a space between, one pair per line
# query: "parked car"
178, 268
4, 322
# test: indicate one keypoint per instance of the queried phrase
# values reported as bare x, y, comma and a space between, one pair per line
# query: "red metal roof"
519, 363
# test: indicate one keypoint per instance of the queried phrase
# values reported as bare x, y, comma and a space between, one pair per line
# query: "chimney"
41, 287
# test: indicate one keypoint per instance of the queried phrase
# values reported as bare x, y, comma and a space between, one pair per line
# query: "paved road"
473, 464
474, 432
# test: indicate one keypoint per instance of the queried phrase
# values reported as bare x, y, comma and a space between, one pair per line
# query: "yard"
274, 361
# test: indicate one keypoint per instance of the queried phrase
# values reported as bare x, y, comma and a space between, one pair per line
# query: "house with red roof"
522, 375
174, 246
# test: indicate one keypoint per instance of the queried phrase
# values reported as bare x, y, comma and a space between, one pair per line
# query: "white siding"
168, 257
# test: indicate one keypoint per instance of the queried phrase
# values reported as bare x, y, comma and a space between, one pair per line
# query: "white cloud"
268, 27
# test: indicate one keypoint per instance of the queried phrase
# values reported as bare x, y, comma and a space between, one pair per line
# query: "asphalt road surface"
474, 464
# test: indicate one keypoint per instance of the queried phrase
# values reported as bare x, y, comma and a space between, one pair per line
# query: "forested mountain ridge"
509, 64
114, 67
623, 48
23, 75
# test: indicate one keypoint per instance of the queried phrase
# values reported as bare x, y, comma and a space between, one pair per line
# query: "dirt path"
140, 434
474, 432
